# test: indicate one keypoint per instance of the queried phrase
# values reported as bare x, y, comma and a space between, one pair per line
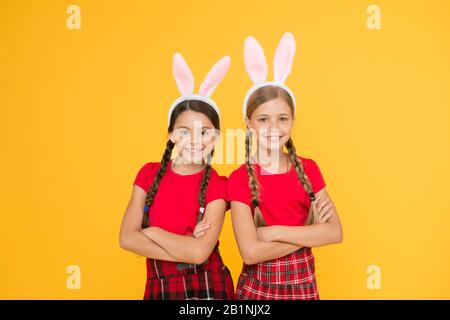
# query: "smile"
193, 150
273, 137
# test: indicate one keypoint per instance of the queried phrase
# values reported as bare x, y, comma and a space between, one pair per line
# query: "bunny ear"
284, 57
183, 75
214, 76
255, 60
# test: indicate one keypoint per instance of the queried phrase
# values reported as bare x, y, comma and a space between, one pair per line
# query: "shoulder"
146, 174
239, 174
149, 168
238, 189
216, 179
313, 172
217, 187
307, 162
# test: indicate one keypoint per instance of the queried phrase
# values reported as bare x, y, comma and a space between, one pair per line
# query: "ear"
247, 122
171, 137
214, 76
284, 57
255, 60
183, 75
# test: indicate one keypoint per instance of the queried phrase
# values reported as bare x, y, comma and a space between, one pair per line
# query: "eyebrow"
183, 127
281, 114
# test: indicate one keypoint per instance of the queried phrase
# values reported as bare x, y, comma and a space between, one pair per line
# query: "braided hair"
253, 181
203, 186
259, 97
312, 215
197, 106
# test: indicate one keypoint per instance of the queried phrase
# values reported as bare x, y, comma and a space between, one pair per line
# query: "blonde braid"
313, 214
253, 182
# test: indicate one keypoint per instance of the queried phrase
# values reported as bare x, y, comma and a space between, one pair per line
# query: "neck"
274, 161
182, 167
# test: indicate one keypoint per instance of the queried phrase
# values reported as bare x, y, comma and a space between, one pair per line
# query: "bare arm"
320, 234
187, 248
131, 237
252, 249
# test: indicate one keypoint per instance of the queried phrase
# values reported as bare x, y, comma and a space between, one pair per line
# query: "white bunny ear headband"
185, 82
256, 65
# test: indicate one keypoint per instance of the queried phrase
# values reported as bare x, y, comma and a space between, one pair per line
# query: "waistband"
160, 268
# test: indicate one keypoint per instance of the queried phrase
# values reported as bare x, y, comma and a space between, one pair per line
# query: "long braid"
154, 187
312, 215
203, 187
253, 182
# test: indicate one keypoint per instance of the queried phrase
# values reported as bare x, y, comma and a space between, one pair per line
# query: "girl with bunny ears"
280, 207
174, 202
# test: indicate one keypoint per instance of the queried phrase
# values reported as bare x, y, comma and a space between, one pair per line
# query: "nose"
273, 129
196, 141
273, 125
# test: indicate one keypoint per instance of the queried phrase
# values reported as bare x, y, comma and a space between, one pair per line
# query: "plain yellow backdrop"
82, 110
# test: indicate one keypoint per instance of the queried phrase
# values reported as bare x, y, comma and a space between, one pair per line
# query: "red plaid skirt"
291, 277
167, 280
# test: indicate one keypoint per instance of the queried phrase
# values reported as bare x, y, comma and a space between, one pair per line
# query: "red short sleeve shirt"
283, 200
175, 207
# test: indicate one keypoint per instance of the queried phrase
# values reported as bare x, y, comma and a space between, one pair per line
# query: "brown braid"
203, 186
312, 215
253, 182
154, 187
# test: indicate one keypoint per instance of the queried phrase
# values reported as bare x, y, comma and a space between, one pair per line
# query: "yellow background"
83, 110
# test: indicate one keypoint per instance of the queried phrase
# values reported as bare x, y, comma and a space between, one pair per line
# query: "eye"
262, 120
209, 133
284, 118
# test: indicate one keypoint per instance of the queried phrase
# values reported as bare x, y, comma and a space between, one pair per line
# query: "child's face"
194, 136
273, 123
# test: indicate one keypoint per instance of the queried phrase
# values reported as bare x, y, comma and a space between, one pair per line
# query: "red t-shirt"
283, 200
175, 207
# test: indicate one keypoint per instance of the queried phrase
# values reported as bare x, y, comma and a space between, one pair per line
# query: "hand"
265, 233
325, 210
200, 228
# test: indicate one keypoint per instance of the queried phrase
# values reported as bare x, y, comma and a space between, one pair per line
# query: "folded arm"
131, 237
316, 235
187, 248
251, 248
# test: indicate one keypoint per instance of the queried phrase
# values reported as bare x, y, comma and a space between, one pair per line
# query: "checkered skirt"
291, 277
168, 280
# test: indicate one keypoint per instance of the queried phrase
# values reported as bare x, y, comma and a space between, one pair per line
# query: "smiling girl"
279, 203
174, 202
